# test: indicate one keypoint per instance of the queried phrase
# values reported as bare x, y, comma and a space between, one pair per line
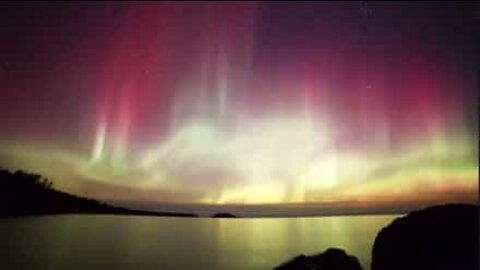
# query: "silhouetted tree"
22, 179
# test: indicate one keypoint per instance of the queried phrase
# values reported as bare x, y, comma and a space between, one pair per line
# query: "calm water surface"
136, 242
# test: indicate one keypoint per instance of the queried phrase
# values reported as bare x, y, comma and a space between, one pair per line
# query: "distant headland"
23, 193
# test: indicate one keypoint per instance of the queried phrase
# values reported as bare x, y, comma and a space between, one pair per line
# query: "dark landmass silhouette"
223, 215
439, 237
331, 259
23, 193
436, 238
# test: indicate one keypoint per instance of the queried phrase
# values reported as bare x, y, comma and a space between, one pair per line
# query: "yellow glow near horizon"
279, 161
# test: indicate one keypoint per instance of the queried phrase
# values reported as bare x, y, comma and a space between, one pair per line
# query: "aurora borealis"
243, 102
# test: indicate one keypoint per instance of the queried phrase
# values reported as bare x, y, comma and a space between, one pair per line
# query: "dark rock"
332, 259
439, 237
223, 215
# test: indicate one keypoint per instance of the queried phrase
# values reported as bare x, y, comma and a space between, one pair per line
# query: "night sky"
243, 103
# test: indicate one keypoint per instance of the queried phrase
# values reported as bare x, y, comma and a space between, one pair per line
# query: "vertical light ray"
99, 145
222, 83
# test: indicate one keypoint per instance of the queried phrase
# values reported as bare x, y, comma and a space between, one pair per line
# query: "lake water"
142, 243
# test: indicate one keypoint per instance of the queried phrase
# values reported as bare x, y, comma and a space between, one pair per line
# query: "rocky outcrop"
332, 259
439, 237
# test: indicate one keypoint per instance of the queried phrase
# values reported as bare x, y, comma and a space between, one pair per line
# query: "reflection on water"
134, 242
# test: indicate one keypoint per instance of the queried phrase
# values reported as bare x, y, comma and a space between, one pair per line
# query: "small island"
23, 193
223, 215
